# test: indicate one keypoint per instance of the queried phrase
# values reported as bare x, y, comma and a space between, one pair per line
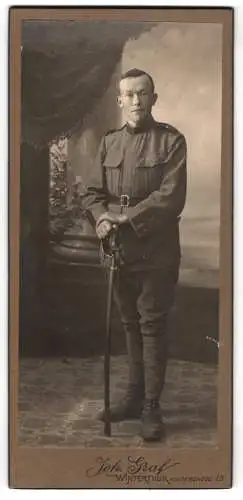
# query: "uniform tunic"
148, 164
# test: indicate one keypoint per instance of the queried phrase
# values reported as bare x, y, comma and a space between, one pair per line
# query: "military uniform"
148, 164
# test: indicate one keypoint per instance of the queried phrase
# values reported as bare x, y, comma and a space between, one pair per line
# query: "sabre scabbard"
112, 269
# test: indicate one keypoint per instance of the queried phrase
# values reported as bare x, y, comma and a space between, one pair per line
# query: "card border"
47, 467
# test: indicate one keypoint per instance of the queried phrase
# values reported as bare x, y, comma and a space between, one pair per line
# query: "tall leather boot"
155, 360
131, 405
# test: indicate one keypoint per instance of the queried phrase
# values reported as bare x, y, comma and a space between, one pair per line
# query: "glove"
103, 229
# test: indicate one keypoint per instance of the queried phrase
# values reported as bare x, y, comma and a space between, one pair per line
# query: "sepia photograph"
119, 194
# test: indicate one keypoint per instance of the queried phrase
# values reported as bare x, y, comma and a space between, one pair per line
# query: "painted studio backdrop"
70, 73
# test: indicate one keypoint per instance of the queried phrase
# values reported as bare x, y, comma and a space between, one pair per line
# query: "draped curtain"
66, 69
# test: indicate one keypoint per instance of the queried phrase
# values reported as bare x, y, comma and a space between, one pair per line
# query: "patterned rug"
59, 400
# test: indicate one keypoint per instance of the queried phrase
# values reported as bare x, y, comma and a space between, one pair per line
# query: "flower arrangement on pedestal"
65, 191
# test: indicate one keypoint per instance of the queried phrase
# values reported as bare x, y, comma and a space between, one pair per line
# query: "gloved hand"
103, 229
107, 221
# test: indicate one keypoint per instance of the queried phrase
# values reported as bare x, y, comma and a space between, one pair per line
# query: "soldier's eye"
130, 95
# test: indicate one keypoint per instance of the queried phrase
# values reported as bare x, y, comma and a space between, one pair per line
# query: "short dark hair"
134, 73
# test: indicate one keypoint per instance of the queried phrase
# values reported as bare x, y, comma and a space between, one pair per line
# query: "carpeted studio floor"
59, 400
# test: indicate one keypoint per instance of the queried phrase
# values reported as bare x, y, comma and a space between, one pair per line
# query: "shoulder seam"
171, 128
114, 130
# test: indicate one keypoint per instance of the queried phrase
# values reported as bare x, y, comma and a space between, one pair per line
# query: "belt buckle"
124, 200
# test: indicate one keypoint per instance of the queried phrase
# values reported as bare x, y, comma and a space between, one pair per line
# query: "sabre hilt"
113, 238
114, 235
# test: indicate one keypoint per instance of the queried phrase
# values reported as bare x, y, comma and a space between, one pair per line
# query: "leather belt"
124, 201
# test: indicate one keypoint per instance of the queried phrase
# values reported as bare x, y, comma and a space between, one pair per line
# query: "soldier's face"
136, 99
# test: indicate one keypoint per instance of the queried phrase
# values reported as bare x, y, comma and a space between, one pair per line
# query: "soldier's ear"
119, 101
155, 97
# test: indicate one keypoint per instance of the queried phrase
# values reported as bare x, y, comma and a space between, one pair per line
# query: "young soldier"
145, 162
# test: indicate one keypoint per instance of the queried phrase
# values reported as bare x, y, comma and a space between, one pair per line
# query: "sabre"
113, 268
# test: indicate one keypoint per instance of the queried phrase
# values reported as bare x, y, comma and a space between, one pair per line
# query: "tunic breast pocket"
148, 176
112, 166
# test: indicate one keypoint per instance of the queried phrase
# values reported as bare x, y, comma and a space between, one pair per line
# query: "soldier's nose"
136, 99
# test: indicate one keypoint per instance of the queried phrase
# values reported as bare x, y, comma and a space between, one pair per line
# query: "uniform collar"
144, 127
